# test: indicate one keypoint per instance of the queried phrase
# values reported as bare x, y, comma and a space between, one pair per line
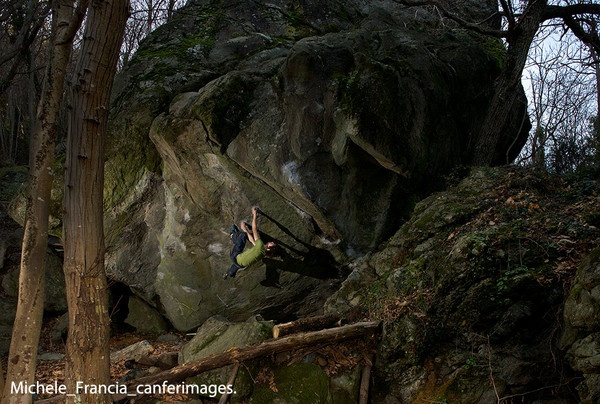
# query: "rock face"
581, 338
471, 290
333, 117
217, 335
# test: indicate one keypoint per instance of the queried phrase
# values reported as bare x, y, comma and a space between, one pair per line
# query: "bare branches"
522, 23
441, 8
509, 12
21, 23
552, 12
513, 17
589, 38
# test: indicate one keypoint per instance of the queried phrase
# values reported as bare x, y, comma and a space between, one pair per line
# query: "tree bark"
239, 355
305, 324
87, 350
30, 306
497, 122
1, 380
365, 381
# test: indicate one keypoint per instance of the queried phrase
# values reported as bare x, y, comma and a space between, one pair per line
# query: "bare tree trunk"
596, 128
497, 121
365, 381
170, 10
88, 359
230, 383
149, 16
538, 148
238, 355
30, 306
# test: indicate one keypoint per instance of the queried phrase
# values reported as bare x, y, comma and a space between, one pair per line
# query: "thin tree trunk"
230, 383
1, 380
30, 306
497, 122
87, 354
365, 381
596, 130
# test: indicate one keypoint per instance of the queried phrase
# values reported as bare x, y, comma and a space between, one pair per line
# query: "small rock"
51, 356
168, 338
135, 351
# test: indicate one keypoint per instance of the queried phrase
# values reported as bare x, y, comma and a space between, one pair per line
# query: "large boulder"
217, 335
333, 117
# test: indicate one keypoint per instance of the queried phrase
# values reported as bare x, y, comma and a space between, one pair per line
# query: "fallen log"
306, 324
239, 355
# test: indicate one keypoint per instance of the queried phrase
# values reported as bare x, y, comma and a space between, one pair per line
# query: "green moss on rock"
302, 383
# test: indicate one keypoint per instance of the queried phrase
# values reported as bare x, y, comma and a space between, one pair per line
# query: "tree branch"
551, 12
472, 26
590, 39
509, 13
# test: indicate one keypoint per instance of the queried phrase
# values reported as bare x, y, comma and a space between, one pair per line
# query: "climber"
242, 259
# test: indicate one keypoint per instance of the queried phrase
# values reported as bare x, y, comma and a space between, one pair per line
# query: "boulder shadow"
313, 262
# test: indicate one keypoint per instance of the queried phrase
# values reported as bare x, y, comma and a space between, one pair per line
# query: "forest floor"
50, 371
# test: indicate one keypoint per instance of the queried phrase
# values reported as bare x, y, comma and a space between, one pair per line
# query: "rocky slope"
472, 290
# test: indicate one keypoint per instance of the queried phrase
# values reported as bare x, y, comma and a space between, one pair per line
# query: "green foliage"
208, 23
477, 242
470, 362
512, 277
297, 383
495, 49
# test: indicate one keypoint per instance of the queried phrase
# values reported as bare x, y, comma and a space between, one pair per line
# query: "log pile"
288, 337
